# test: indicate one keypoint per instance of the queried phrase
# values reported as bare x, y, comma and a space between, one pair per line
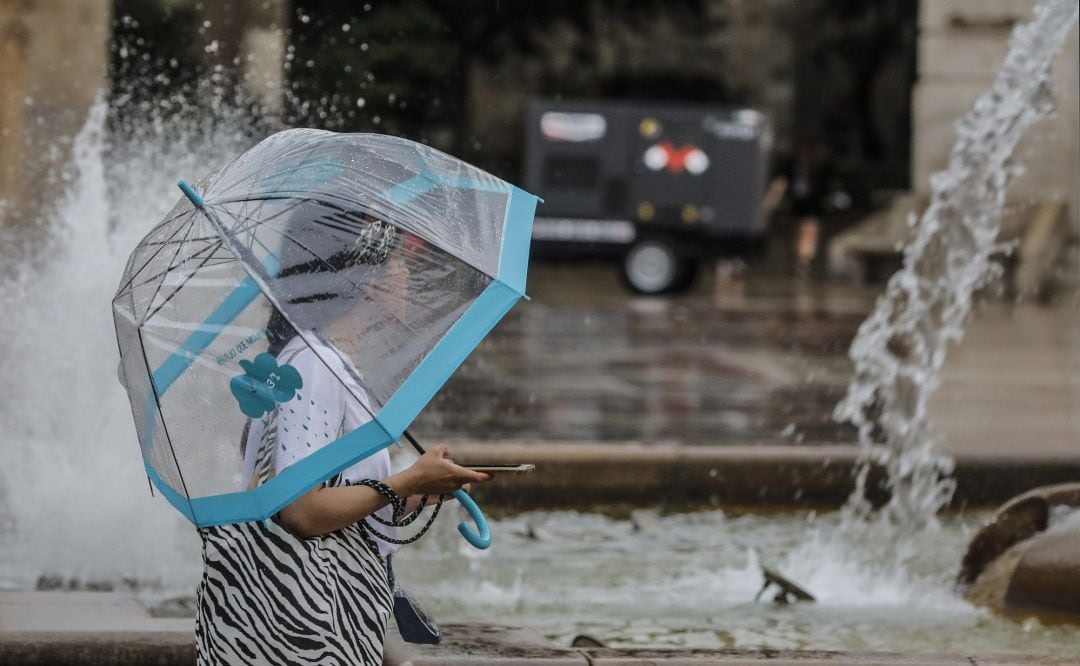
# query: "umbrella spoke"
171, 264
134, 274
180, 286
165, 271
220, 196
165, 427
253, 220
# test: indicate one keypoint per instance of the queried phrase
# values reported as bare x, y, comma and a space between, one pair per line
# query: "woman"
310, 586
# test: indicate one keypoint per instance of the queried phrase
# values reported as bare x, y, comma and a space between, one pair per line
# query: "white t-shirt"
329, 405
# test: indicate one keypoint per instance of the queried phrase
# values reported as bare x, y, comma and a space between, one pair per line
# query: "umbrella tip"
190, 193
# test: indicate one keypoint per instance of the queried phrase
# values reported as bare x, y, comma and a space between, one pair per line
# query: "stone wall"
247, 36
53, 59
54, 62
961, 45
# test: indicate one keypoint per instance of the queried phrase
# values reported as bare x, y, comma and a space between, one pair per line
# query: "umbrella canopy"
388, 259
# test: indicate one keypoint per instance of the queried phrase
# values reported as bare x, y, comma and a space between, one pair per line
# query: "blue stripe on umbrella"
189, 350
280, 491
422, 183
268, 499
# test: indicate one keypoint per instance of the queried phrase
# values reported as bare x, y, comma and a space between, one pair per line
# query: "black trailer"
661, 185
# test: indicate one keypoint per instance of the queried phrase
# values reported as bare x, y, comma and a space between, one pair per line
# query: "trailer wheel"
654, 267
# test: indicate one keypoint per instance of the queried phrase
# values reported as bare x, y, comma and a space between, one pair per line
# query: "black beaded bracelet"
396, 502
399, 519
401, 542
403, 520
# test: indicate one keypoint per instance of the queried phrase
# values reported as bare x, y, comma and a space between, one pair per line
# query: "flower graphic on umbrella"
264, 384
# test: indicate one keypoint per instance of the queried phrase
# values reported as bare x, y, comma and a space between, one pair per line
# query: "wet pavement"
735, 361
758, 360
1012, 386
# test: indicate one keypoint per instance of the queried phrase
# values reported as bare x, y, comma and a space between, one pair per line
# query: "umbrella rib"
238, 183
168, 242
334, 205
252, 221
305, 248
171, 218
164, 428
168, 298
161, 245
153, 256
254, 239
170, 265
267, 292
194, 255
258, 211
243, 255
246, 217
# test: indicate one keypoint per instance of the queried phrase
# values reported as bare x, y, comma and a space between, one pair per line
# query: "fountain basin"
687, 581
578, 475
653, 587
1024, 562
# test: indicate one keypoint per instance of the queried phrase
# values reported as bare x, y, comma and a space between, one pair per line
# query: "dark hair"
371, 246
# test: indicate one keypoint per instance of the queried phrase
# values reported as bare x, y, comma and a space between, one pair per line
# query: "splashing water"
900, 348
74, 500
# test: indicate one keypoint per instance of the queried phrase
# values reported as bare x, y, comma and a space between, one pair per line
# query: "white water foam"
76, 509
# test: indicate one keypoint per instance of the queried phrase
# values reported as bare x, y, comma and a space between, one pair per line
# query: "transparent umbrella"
388, 259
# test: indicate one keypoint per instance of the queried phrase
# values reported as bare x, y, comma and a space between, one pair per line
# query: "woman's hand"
413, 503
434, 473
323, 510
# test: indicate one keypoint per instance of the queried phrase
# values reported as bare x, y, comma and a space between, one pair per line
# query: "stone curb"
613, 657
119, 648
472, 644
89, 628
479, 644
583, 475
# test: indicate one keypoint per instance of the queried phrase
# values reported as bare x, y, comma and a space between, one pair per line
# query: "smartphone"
493, 469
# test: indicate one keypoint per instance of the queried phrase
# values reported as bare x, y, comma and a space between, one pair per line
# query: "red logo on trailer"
665, 155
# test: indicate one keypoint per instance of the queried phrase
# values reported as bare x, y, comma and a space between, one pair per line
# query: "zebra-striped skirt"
268, 597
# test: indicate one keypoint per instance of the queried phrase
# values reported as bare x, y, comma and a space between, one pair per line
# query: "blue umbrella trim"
266, 500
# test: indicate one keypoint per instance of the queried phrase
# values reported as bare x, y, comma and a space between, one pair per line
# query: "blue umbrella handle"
481, 538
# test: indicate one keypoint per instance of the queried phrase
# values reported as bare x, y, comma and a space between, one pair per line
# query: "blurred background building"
961, 44
880, 83
54, 60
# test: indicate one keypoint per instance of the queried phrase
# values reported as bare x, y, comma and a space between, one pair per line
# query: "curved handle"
480, 539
